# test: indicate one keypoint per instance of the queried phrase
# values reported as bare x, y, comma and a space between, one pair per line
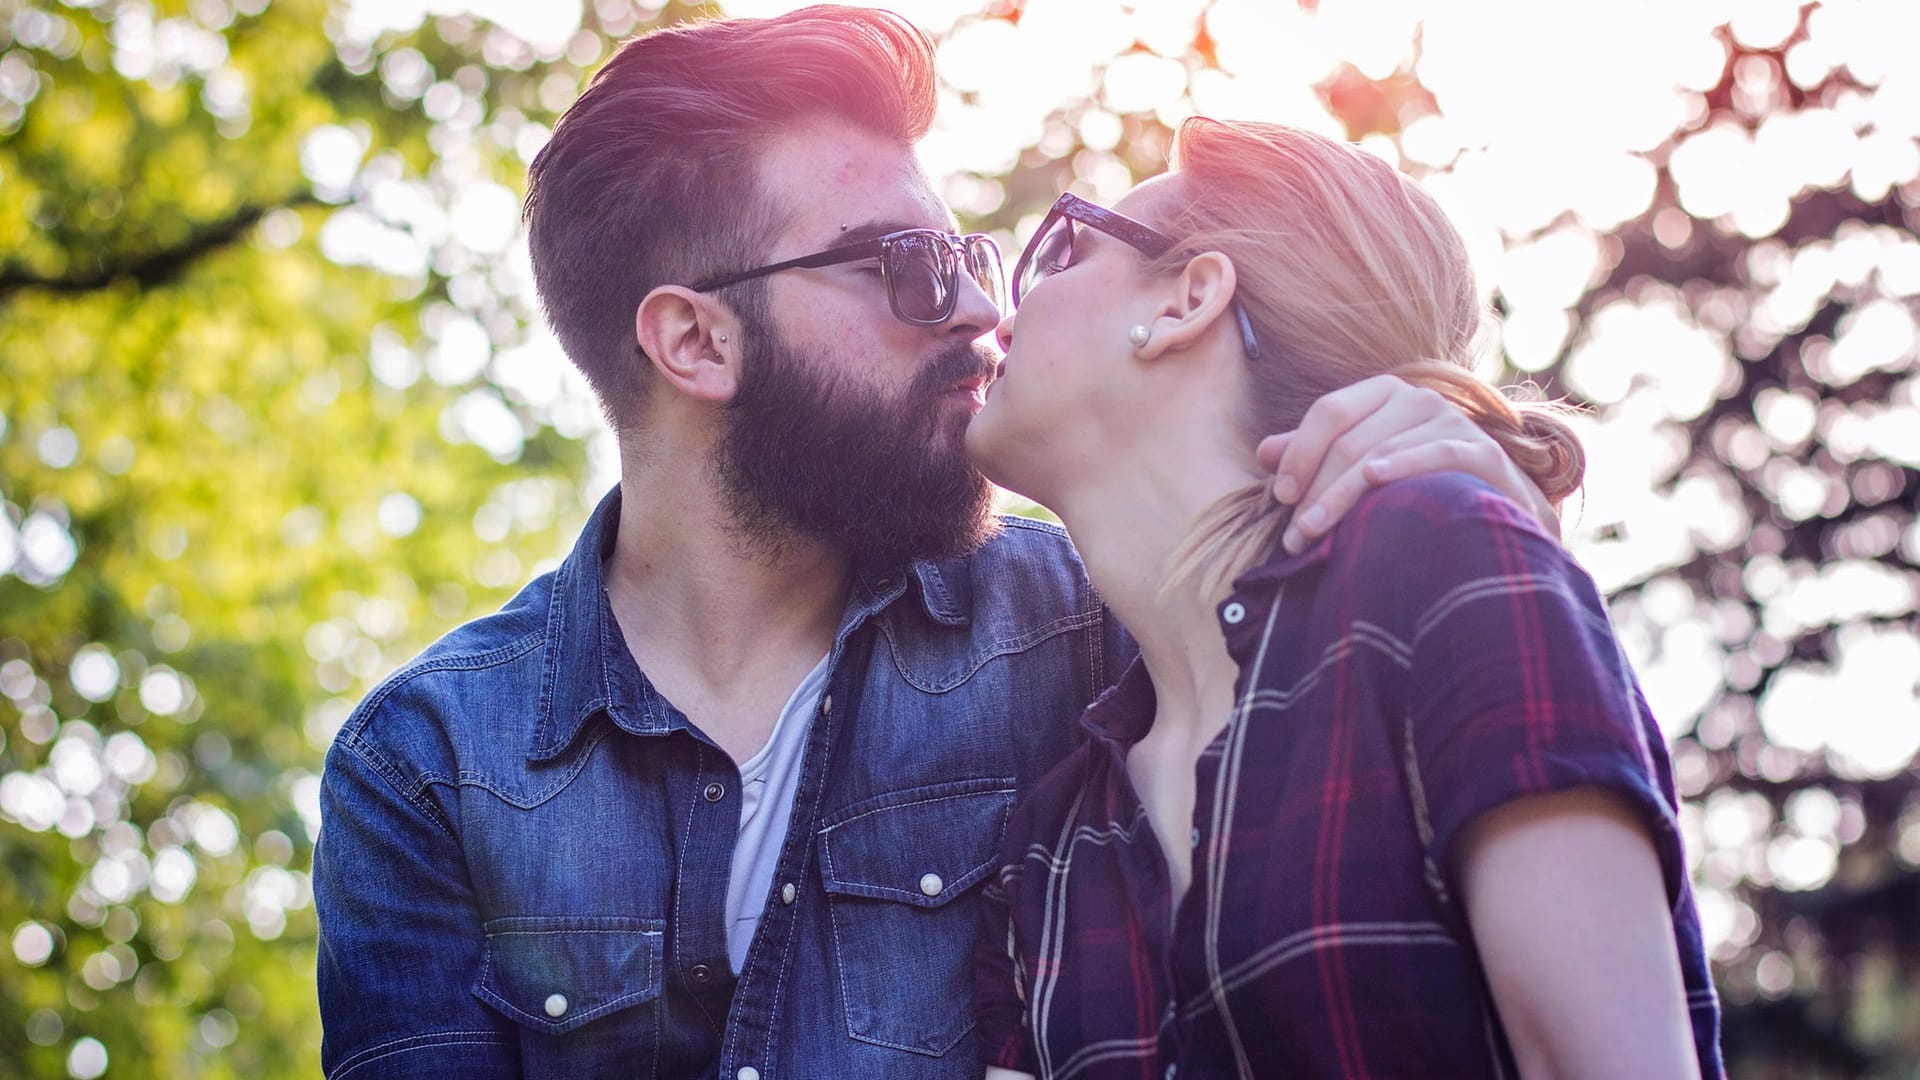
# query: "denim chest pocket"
584, 990
900, 874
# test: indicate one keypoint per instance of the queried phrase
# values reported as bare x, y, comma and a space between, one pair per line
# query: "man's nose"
974, 312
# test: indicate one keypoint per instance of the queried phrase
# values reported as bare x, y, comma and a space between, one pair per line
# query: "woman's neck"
1128, 522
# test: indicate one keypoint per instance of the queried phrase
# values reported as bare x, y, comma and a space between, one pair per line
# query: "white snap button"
556, 1005
1233, 613
931, 884
826, 705
748, 1072
788, 892
1172, 1071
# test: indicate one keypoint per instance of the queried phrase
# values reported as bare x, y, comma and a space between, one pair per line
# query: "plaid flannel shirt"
1436, 656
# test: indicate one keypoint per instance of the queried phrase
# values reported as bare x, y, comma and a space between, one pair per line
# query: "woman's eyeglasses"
1051, 249
921, 268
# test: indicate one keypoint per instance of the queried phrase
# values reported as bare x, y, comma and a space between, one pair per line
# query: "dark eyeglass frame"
960, 249
1138, 235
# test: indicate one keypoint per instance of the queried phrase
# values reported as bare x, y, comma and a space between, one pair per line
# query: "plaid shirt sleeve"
1523, 690
999, 1007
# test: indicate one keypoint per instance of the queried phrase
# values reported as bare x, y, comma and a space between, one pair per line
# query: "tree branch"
153, 268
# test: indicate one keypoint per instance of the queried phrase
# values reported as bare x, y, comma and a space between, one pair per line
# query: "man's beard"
810, 454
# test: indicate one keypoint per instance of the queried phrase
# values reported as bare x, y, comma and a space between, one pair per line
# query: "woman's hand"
1376, 430
1570, 915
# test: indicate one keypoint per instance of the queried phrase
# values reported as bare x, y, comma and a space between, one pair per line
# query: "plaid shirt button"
1233, 613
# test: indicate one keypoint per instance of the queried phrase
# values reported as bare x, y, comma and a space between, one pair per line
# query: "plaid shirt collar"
1123, 715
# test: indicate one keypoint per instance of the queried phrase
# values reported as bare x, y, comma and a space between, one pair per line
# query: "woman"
1392, 806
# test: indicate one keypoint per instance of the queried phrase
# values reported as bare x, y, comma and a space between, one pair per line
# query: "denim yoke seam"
394, 779
1018, 643
411, 1042
522, 800
1015, 521
355, 738
513, 650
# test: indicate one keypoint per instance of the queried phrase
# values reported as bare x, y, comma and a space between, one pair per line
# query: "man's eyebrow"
873, 230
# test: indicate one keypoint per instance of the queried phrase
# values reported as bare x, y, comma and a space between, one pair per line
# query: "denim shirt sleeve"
400, 935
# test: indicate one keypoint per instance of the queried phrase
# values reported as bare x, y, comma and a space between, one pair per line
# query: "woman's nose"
1004, 332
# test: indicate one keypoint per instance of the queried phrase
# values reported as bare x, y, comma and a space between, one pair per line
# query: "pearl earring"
1138, 336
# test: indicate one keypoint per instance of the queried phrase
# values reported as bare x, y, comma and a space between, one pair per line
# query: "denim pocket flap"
555, 974
922, 847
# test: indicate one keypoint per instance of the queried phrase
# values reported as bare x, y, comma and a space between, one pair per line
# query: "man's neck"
724, 629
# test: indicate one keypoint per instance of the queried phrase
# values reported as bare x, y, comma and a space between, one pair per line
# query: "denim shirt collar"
590, 670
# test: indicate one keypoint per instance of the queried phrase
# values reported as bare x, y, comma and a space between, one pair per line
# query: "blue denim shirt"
524, 857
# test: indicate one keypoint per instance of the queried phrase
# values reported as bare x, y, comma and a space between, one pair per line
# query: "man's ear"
1202, 296
691, 340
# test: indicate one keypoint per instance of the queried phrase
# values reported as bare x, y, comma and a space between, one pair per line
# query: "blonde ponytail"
1346, 268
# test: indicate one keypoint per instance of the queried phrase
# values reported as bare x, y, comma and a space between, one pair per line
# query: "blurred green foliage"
226, 523
273, 416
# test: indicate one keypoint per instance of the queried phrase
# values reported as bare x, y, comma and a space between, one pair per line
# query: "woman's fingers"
1422, 450
1478, 455
1303, 455
1270, 449
1482, 458
1351, 425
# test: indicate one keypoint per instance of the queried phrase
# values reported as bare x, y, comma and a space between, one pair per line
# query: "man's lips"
973, 386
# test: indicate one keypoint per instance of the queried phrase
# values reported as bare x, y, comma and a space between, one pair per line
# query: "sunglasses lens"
921, 270
983, 263
1050, 254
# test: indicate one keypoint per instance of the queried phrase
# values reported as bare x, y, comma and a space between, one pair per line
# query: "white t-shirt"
767, 783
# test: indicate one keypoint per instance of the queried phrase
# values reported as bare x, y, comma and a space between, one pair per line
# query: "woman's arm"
1375, 431
1569, 910
999, 1004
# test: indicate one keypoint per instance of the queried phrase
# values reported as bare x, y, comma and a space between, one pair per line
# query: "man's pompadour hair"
651, 177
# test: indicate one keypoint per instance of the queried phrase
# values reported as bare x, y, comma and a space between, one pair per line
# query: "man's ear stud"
1138, 335
723, 339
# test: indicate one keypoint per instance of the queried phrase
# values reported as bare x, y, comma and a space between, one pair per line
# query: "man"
714, 797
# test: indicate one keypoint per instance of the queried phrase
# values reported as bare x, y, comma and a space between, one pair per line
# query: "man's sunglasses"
921, 268
1051, 250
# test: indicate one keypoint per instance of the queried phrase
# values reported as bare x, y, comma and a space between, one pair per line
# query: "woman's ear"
685, 335
1202, 296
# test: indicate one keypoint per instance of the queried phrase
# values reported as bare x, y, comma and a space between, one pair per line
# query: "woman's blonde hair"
1347, 269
